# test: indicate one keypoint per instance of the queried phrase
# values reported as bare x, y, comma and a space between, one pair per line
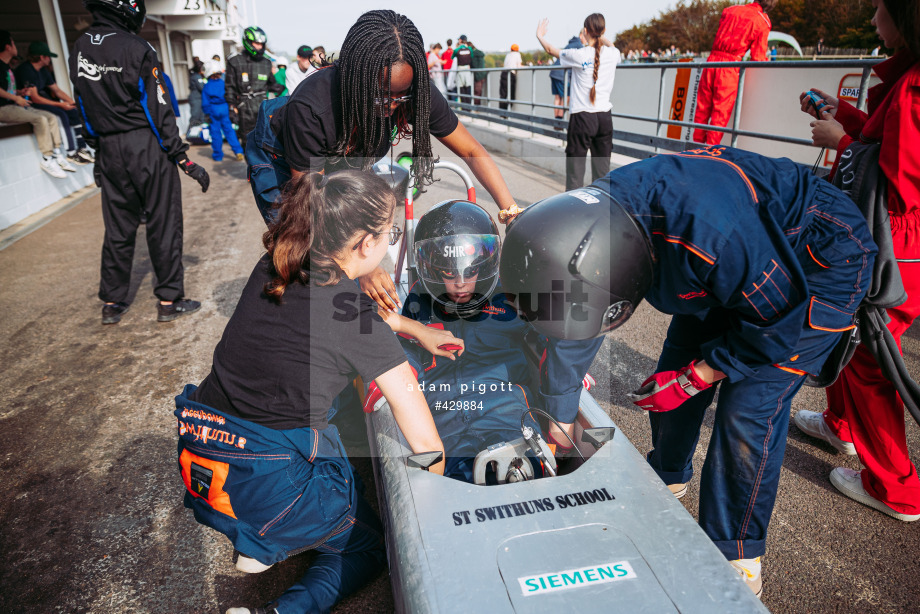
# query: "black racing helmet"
457, 240
251, 35
132, 13
577, 264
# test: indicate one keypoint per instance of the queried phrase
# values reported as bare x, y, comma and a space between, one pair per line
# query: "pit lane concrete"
91, 518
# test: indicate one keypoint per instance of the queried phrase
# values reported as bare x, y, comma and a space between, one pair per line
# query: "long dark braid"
594, 27
377, 41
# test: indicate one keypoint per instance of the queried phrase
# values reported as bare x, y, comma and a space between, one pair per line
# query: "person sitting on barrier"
763, 266
259, 460
865, 414
378, 90
478, 398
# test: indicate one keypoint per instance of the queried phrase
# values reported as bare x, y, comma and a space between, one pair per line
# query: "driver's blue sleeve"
562, 371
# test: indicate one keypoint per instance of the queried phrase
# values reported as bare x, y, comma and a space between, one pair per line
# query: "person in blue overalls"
478, 397
214, 105
763, 266
260, 462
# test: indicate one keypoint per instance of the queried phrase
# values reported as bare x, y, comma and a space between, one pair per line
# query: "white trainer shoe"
64, 164
849, 482
86, 155
250, 565
749, 570
679, 490
812, 423
50, 166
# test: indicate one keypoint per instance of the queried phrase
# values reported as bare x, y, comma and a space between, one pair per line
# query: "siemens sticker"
576, 578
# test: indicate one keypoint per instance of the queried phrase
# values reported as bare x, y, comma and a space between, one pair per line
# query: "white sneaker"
50, 166
64, 164
749, 570
812, 423
86, 155
678, 490
250, 565
849, 482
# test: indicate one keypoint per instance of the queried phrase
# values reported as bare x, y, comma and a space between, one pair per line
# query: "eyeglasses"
386, 102
393, 233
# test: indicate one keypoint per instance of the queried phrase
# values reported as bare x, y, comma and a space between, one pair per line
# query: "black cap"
463, 38
41, 48
305, 52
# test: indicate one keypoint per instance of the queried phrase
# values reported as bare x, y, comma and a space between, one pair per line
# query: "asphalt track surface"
91, 515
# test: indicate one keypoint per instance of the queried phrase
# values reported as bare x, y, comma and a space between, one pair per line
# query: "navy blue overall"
275, 493
268, 170
763, 266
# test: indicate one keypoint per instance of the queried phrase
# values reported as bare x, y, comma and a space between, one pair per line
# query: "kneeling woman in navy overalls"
260, 461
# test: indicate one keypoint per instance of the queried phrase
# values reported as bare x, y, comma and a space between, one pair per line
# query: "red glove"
669, 389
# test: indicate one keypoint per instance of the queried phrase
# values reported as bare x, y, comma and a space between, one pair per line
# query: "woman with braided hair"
590, 124
377, 91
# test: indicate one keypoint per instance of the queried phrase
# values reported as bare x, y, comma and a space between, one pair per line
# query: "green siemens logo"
576, 578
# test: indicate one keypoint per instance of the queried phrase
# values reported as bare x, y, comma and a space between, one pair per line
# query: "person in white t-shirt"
512, 61
436, 68
299, 70
590, 124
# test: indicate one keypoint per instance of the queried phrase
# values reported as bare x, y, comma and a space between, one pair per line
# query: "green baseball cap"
41, 48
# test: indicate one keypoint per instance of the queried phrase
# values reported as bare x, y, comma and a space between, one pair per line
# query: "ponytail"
595, 24
319, 216
597, 65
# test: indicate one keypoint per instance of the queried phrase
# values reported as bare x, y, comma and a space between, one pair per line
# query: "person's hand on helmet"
668, 390
506, 215
194, 171
379, 286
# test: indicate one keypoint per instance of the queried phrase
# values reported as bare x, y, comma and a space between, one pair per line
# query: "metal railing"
480, 107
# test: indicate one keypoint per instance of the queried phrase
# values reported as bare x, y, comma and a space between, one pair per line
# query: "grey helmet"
577, 263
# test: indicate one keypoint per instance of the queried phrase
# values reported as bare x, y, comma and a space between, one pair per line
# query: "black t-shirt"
41, 79
6, 82
463, 56
282, 365
309, 125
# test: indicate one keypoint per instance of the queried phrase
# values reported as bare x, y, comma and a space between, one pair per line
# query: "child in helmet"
214, 105
479, 399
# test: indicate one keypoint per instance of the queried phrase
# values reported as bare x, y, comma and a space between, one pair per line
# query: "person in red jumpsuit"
865, 415
741, 27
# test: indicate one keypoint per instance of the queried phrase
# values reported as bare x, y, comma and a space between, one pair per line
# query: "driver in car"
481, 396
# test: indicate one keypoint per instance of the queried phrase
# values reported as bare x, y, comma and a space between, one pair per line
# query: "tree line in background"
692, 24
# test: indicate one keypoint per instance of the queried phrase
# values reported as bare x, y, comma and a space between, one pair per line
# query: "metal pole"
658, 124
533, 92
54, 33
736, 116
863, 86
565, 90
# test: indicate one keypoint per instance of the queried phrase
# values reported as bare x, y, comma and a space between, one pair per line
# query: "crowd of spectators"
29, 94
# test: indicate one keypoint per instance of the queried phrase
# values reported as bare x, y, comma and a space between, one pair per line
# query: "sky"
493, 25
